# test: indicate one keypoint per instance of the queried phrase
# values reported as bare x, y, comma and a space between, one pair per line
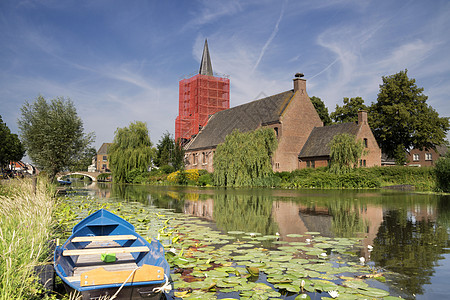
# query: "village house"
102, 161
302, 139
316, 151
425, 157
291, 115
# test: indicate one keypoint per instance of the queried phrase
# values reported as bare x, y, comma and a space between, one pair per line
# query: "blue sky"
121, 61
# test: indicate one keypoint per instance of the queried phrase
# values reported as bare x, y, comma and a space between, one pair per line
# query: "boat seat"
101, 238
105, 250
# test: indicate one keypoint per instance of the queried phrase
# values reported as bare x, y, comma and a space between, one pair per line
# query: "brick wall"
297, 122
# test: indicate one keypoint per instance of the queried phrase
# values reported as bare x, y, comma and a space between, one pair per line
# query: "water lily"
308, 241
362, 259
323, 254
369, 247
333, 294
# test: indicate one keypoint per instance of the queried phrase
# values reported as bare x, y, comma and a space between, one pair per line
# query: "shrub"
205, 179
442, 173
184, 176
167, 169
104, 176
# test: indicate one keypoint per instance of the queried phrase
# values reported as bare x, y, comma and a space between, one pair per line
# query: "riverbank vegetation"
25, 231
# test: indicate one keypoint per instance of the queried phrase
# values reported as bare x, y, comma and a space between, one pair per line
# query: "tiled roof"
103, 149
320, 137
244, 117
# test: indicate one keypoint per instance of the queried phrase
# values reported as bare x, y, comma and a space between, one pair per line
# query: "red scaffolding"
200, 97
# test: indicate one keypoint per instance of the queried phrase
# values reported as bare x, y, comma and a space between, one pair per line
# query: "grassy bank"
422, 179
25, 229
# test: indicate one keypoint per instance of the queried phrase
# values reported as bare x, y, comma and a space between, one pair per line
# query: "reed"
25, 229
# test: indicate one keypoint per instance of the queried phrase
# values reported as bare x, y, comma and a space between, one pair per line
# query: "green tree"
52, 134
401, 119
349, 111
164, 150
178, 155
131, 153
345, 151
442, 171
11, 149
322, 110
169, 153
85, 160
244, 157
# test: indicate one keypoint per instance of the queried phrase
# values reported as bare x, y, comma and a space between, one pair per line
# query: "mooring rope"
118, 291
165, 288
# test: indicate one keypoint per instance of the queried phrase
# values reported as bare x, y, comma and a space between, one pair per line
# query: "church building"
200, 97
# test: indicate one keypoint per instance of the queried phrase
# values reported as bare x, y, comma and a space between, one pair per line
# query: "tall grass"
25, 229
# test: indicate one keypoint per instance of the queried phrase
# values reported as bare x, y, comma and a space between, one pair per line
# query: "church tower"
200, 97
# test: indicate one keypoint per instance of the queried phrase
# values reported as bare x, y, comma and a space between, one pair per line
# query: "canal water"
405, 234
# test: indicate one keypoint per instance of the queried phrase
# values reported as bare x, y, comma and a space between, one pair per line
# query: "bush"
167, 169
184, 177
104, 176
205, 179
136, 176
442, 173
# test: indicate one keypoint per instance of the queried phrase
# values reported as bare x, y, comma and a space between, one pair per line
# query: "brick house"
102, 161
291, 114
425, 157
316, 151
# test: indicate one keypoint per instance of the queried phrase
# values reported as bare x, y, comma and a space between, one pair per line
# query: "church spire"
205, 65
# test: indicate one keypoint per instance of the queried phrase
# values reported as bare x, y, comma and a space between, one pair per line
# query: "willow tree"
345, 151
131, 153
244, 157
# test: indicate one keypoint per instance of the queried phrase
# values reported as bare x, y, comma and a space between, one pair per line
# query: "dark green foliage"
442, 171
131, 153
103, 176
85, 160
167, 169
11, 149
164, 150
401, 118
205, 178
169, 152
321, 178
421, 178
349, 111
345, 151
52, 134
243, 157
178, 155
322, 110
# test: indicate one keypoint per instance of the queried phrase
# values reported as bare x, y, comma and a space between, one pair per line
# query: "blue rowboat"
105, 256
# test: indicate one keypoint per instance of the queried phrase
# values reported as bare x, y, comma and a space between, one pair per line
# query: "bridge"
92, 175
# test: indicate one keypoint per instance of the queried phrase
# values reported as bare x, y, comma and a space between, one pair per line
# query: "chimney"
362, 117
299, 83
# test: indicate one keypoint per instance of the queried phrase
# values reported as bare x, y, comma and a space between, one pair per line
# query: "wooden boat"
138, 268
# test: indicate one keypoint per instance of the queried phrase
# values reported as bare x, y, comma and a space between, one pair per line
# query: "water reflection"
408, 232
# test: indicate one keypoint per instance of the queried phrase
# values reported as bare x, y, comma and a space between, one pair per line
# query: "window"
365, 143
416, 157
105, 158
428, 156
311, 164
194, 158
364, 163
104, 166
276, 131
